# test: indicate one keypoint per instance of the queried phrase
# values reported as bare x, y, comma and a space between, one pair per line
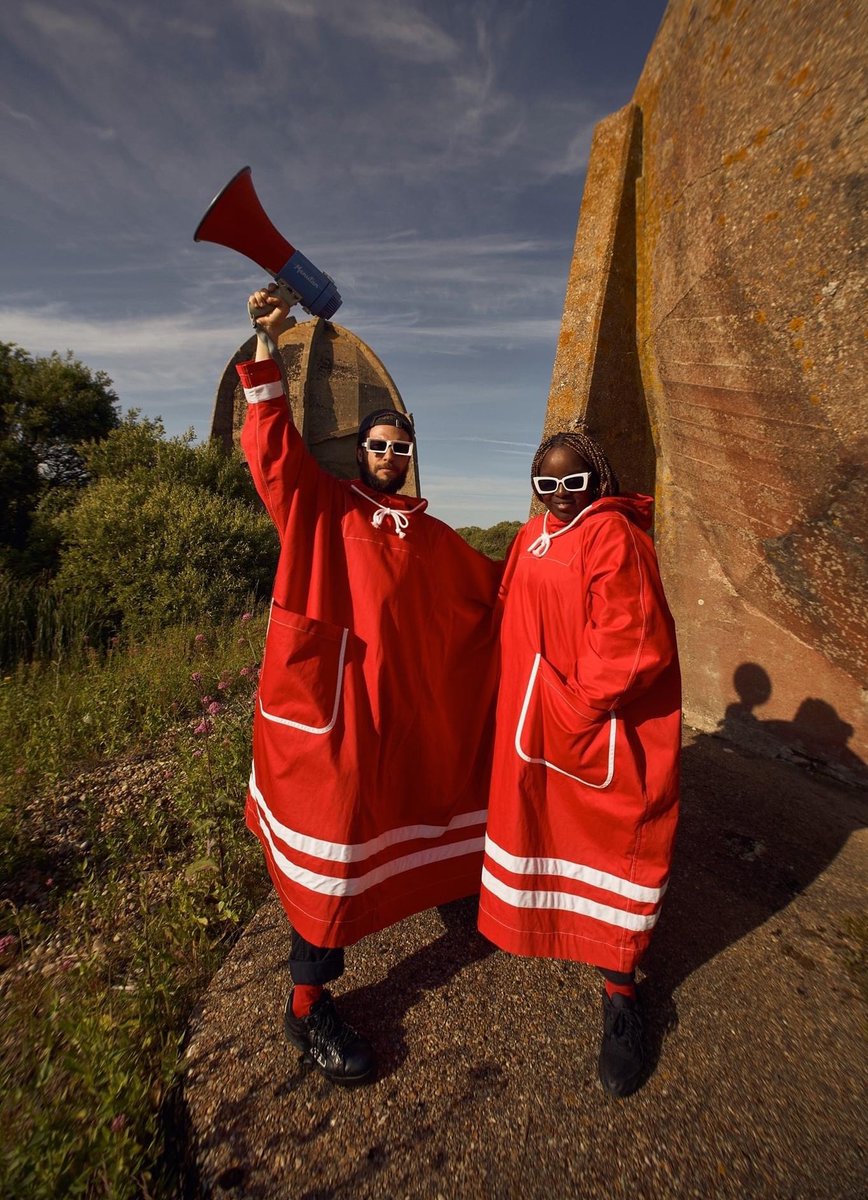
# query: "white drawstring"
541, 546
400, 518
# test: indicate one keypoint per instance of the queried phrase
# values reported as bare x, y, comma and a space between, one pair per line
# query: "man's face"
561, 462
384, 472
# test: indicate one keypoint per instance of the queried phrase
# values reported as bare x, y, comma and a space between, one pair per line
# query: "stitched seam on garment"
643, 635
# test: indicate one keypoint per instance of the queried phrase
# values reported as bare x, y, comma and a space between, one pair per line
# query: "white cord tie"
401, 522
542, 543
541, 546
401, 519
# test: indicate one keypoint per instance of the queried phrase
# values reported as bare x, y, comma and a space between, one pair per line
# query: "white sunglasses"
380, 446
547, 485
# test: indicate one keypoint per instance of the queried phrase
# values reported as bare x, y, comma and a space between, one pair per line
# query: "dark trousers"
313, 964
618, 976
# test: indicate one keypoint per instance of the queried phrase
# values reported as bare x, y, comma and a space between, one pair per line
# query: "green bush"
494, 541
141, 553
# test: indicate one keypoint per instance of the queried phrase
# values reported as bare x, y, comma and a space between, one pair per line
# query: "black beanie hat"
386, 416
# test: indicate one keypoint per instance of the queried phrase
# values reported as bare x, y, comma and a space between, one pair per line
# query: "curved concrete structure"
333, 380
713, 336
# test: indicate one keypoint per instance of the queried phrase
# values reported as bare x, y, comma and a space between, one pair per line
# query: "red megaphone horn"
236, 218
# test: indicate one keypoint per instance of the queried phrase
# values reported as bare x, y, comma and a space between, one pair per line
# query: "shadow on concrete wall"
755, 832
617, 410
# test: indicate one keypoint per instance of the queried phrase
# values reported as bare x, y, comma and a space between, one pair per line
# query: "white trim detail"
264, 391
544, 761
567, 902
333, 885
317, 729
573, 870
358, 852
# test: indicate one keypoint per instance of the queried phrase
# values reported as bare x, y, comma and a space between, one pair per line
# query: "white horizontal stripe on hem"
573, 870
265, 391
332, 885
358, 852
567, 902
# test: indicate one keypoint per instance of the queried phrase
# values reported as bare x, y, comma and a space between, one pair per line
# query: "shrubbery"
494, 541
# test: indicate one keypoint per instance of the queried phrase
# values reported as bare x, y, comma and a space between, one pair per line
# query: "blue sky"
428, 154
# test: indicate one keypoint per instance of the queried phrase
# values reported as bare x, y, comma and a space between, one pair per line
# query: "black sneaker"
328, 1042
622, 1057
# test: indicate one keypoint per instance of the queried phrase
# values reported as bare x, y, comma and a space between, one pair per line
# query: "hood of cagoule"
636, 507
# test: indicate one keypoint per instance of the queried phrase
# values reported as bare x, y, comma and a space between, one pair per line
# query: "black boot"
327, 1041
622, 1056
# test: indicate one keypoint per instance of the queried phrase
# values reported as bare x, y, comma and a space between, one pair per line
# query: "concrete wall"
713, 336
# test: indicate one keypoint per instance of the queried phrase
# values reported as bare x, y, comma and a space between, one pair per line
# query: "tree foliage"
48, 407
494, 541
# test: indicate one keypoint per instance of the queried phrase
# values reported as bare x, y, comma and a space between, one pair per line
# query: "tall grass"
125, 874
38, 622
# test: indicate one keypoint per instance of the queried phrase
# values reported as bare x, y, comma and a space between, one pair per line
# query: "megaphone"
235, 218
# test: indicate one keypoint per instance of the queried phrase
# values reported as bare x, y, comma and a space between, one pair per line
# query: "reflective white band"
265, 391
332, 885
567, 902
573, 870
358, 852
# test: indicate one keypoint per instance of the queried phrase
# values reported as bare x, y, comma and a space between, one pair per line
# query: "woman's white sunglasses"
547, 485
380, 446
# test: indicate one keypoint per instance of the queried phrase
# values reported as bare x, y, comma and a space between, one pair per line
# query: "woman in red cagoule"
584, 791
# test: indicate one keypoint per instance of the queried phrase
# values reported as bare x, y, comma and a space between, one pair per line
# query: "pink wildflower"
205, 700
245, 617
198, 752
244, 671
214, 708
119, 1123
199, 639
202, 727
196, 676
222, 685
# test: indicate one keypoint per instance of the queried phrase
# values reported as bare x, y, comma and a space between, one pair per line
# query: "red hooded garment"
584, 789
374, 715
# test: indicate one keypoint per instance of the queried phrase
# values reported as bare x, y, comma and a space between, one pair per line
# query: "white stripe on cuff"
265, 391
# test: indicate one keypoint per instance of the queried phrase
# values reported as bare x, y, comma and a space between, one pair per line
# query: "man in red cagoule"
374, 715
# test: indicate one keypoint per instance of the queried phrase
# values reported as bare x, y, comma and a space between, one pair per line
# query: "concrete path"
487, 1085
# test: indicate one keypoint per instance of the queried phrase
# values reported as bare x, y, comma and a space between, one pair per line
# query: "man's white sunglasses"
380, 446
547, 485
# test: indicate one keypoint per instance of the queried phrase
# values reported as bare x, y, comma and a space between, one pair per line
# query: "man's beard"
388, 486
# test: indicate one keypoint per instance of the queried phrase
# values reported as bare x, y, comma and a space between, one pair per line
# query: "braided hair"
586, 447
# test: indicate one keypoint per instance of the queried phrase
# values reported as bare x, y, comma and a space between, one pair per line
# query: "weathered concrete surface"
333, 380
488, 1063
749, 323
596, 375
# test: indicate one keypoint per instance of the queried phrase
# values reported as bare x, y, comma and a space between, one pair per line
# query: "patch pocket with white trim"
302, 671
552, 732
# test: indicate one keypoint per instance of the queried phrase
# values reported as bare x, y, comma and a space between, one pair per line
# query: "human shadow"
757, 828
425, 970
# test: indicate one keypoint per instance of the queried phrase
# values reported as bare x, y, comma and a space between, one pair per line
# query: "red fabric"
374, 718
622, 989
304, 997
584, 789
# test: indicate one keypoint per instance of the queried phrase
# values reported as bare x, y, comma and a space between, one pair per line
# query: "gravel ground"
487, 1082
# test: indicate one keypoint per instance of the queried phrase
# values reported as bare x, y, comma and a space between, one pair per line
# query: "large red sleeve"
629, 635
283, 471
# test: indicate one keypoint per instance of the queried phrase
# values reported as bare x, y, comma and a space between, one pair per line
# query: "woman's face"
561, 462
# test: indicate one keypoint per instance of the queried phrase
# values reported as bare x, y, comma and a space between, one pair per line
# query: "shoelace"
400, 519
541, 546
625, 1024
330, 1031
